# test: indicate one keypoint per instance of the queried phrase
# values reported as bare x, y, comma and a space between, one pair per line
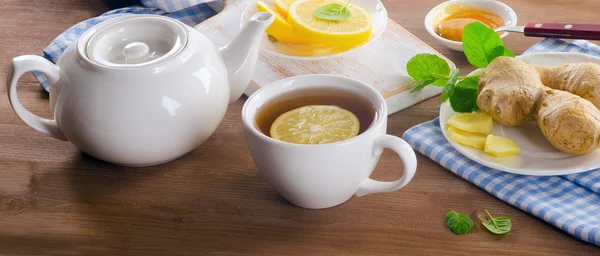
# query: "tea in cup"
317, 138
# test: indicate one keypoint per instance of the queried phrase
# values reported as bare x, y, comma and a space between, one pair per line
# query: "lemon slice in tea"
315, 124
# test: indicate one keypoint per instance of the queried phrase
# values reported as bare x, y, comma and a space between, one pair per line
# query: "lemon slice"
280, 29
351, 32
283, 6
315, 124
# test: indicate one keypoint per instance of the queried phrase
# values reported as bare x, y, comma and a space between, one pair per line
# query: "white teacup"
324, 175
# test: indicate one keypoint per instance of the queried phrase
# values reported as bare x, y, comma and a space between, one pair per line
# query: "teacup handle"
20, 66
409, 159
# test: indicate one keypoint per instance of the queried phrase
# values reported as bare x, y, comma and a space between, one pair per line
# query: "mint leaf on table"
499, 225
464, 96
449, 88
459, 223
333, 12
482, 44
428, 67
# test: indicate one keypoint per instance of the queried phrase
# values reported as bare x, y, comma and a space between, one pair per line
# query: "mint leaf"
426, 66
499, 225
481, 45
508, 53
459, 223
333, 12
420, 85
470, 83
464, 96
497, 51
447, 92
449, 88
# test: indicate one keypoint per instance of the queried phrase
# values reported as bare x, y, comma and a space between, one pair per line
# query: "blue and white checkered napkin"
571, 202
190, 12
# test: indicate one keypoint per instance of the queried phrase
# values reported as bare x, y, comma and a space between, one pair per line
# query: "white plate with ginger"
549, 111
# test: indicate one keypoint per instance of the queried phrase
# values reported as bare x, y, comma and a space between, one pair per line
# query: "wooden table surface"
55, 200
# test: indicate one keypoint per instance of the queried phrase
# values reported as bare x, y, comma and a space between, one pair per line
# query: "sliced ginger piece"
472, 122
500, 146
475, 140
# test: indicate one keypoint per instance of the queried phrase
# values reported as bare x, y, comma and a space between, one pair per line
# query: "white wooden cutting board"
381, 63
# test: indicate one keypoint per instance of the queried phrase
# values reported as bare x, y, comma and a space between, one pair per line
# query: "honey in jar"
457, 16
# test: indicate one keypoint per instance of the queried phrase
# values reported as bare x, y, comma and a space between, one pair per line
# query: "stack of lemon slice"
283, 6
295, 23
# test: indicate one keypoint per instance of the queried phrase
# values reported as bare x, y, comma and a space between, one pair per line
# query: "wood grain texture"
55, 200
381, 63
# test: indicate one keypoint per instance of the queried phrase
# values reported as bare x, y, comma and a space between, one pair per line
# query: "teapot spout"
241, 54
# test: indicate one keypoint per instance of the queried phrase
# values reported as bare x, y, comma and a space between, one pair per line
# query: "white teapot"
141, 90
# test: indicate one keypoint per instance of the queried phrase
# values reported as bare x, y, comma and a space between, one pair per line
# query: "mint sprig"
481, 45
333, 12
430, 69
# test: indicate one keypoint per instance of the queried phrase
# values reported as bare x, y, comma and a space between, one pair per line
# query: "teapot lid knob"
135, 50
138, 41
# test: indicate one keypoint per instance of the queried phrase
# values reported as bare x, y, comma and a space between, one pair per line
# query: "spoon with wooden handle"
556, 30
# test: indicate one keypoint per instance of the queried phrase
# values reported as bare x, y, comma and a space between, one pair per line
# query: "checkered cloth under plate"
190, 12
571, 202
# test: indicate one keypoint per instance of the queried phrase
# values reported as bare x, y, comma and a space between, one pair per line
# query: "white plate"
538, 157
374, 7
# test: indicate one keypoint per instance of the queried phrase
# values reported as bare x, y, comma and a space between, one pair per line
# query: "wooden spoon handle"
563, 30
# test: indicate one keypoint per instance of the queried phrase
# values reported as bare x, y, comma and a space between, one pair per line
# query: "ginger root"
514, 92
570, 123
582, 79
509, 90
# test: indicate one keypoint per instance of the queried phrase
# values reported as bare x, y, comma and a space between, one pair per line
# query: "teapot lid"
137, 42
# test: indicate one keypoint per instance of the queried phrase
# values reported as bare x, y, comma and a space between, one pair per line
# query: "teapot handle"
20, 66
